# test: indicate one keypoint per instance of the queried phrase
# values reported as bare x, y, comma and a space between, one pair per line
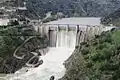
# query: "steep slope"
98, 59
74, 7
69, 8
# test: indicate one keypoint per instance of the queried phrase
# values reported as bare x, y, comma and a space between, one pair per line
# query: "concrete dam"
69, 35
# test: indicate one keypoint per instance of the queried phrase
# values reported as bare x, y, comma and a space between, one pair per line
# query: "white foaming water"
53, 65
66, 39
53, 60
4, 21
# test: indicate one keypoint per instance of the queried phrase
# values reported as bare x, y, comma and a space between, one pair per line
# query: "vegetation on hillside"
11, 37
19, 40
98, 59
70, 8
102, 57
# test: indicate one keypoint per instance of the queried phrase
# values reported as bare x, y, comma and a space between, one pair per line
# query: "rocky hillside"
74, 7
98, 59
17, 47
97, 8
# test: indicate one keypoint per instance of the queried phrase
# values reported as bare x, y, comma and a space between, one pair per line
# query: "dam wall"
60, 35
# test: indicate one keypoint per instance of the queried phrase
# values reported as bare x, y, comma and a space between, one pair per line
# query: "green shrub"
96, 57
94, 43
85, 51
89, 64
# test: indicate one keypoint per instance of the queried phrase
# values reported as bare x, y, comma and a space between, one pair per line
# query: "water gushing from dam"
62, 42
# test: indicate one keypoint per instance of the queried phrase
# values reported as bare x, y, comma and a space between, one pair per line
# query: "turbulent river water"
52, 66
53, 60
